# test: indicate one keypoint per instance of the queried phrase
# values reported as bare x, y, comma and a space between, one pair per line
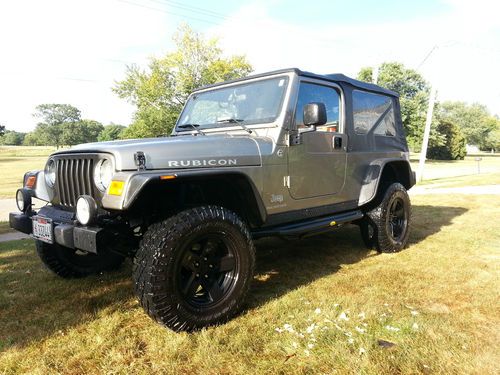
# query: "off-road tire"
70, 263
172, 278
386, 227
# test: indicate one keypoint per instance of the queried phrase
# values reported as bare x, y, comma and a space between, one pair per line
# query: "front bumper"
67, 232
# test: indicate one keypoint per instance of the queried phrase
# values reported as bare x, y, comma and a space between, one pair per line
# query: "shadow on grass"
35, 304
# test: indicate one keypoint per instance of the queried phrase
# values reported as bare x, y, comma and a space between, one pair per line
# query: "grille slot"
74, 178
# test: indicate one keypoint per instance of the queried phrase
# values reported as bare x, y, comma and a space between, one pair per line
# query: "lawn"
15, 161
319, 305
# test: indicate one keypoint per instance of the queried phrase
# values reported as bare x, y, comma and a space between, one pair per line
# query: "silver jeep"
286, 153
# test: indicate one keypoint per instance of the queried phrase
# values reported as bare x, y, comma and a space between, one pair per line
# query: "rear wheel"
386, 227
195, 268
69, 263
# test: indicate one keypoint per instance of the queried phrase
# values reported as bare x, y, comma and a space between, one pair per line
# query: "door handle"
337, 142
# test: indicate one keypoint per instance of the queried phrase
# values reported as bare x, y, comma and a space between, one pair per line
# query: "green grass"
15, 161
4, 227
437, 301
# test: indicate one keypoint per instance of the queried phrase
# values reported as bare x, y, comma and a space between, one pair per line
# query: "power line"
167, 12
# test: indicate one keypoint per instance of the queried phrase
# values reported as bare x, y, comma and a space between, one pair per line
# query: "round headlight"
86, 209
50, 172
103, 174
23, 200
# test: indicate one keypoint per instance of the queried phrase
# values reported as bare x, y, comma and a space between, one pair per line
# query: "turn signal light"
116, 188
168, 177
30, 182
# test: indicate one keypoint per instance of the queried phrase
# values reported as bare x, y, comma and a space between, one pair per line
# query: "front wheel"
195, 268
72, 263
387, 226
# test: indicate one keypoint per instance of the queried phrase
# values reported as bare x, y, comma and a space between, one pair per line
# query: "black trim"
309, 213
20, 222
309, 227
328, 77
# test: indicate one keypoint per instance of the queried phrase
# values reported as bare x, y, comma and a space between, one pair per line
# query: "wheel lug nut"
197, 264
210, 266
206, 276
205, 259
197, 275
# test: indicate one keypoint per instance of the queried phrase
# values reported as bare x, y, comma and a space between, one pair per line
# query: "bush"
454, 143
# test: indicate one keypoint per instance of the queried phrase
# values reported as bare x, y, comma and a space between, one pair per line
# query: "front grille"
74, 178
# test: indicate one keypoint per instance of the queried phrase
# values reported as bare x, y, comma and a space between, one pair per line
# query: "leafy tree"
493, 140
454, 145
82, 131
12, 138
414, 95
111, 132
473, 119
53, 117
160, 91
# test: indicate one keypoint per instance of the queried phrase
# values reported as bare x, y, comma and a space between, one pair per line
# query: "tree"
111, 132
160, 91
454, 145
53, 117
12, 138
474, 120
414, 94
83, 131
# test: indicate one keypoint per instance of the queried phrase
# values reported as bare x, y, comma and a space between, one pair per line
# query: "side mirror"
314, 114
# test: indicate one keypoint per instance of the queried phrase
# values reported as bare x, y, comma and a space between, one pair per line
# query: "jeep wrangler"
286, 153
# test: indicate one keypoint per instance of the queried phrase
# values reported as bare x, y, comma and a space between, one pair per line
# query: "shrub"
454, 143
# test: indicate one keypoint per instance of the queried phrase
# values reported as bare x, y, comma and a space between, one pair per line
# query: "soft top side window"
373, 112
314, 93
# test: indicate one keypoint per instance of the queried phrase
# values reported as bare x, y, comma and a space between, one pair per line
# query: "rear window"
373, 113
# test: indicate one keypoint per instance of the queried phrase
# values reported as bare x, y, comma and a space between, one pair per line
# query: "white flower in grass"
338, 327
311, 328
414, 312
336, 305
362, 351
350, 340
300, 335
391, 328
415, 326
343, 316
327, 320
362, 315
295, 345
317, 311
364, 324
310, 346
307, 353
360, 330
348, 334
288, 327
279, 330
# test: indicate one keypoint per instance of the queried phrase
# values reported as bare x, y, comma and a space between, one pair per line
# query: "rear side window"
373, 112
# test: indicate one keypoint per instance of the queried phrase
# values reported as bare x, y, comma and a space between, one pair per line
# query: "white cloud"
463, 68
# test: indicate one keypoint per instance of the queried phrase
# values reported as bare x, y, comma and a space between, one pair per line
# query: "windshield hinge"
293, 138
286, 181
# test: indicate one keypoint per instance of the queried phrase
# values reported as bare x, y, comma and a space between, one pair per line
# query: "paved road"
474, 190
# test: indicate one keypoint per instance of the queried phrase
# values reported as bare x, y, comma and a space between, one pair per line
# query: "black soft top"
326, 77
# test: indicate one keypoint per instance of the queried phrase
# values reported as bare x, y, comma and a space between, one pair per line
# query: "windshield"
257, 102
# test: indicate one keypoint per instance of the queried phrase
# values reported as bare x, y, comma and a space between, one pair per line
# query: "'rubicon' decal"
202, 163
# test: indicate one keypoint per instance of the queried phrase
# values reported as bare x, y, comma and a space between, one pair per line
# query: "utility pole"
427, 131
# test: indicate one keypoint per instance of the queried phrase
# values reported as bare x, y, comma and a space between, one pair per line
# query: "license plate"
42, 229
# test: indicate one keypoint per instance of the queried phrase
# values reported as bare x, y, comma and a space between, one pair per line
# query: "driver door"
317, 165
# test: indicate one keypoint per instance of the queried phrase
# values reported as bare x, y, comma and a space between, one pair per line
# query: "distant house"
472, 149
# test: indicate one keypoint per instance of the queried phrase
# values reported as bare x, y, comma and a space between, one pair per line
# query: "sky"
72, 51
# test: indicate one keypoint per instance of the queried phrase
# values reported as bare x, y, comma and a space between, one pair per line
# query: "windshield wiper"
236, 121
192, 126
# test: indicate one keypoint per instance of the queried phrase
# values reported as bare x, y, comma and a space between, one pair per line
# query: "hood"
183, 152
